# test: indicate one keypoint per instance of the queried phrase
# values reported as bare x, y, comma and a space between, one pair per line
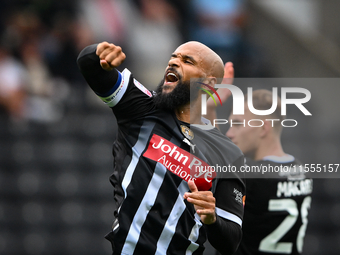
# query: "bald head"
210, 62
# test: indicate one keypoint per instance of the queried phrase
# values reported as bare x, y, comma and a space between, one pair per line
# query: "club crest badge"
187, 132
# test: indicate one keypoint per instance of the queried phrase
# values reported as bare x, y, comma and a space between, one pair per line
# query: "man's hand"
110, 55
203, 201
224, 94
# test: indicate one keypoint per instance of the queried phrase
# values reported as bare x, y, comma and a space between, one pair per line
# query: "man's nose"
229, 133
173, 62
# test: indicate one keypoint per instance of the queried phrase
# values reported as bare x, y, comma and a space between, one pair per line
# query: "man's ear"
266, 128
211, 82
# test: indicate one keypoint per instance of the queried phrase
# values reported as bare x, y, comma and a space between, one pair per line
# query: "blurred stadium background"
56, 137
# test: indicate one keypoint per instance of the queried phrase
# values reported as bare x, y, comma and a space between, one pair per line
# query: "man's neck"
183, 114
273, 148
190, 113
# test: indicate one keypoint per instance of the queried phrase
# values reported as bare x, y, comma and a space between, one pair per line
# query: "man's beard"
179, 96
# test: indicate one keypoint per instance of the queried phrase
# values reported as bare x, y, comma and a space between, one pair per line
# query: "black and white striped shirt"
276, 208
153, 161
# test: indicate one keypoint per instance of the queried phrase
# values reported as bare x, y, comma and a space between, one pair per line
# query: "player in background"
161, 205
276, 204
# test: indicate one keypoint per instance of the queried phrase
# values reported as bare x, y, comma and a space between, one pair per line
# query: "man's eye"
188, 62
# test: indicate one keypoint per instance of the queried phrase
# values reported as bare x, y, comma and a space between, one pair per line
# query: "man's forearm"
100, 81
225, 236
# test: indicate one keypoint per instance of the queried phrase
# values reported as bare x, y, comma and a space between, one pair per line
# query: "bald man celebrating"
168, 196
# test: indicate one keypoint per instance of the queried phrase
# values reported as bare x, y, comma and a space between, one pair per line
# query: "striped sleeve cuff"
229, 216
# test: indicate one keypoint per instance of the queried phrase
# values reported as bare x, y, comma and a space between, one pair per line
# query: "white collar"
206, 126
280, 159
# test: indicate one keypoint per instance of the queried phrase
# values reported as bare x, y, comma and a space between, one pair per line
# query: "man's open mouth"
171, 77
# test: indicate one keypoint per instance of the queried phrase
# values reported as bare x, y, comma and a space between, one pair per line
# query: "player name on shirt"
294, 188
